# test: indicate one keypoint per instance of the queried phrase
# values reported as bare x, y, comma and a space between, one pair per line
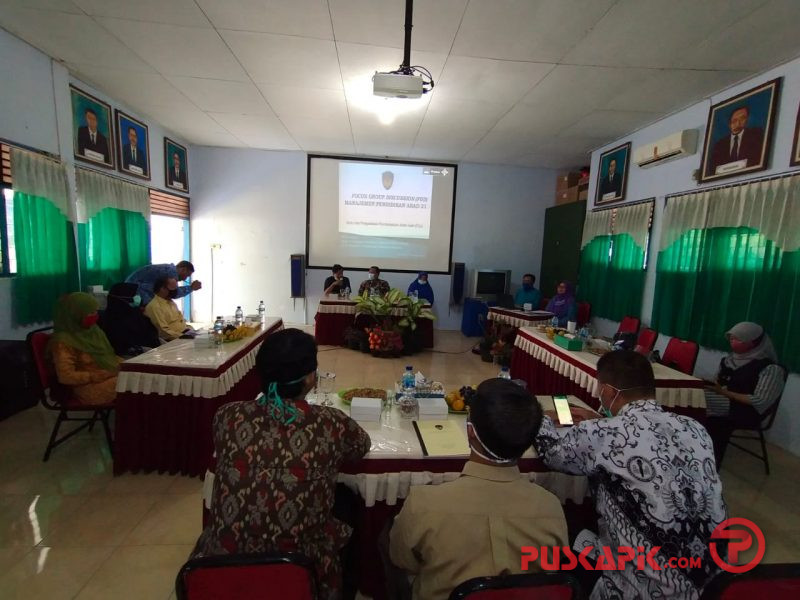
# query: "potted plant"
379, 310
356, 339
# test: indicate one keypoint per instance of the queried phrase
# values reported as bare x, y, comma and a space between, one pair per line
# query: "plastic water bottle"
504, 373
347, 293
409, 381
554, 322
262, 312
583, 334
239, 316
219, 329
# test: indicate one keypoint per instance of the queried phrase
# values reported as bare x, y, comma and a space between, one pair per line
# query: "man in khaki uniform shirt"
165, 314
476, 525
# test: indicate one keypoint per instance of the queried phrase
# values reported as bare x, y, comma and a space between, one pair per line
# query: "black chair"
768, 581
262, 576
758, 428
58, 397
505, 301
525, 586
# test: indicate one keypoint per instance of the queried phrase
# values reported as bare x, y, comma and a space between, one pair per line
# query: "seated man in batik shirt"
653, 479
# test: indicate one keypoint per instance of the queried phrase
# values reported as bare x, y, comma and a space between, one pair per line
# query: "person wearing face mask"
563, 304
422, 287
165, 315
336, 282
374, 282
127, 329
146, 277
475, 526
748, 383
527, 294
652, 477
83, 357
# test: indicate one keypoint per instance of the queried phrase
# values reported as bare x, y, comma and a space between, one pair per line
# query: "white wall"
253, 203
35, 111
676, 176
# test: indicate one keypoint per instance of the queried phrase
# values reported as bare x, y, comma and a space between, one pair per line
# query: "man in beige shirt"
164, 313
476, 525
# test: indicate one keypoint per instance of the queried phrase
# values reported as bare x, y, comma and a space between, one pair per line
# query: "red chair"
526, 586
584, 313
543, 303
773, 581
247, 577
646, 341
55, 396
680, 355
629, 325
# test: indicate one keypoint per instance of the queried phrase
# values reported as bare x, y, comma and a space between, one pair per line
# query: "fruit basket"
456, 400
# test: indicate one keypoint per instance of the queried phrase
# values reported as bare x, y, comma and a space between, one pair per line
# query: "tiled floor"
68, 529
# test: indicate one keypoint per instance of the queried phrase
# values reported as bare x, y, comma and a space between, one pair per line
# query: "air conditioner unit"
677, 145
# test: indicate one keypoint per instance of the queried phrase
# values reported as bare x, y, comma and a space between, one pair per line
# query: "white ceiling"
525, 82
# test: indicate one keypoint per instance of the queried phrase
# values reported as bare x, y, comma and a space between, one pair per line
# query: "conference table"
396, 463
517, 317
335, 315
167, 397
550, 369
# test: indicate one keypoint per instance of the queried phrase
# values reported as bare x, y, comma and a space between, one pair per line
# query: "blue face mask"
527, 287
136, 301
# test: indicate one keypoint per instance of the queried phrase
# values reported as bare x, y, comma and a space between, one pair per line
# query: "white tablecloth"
673, 388
184, 367
394, 438
518, 318
348, 307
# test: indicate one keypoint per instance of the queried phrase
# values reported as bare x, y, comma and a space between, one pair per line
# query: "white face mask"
372, 276
493, 458
421, 281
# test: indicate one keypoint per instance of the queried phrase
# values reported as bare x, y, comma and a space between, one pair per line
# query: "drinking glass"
326, 381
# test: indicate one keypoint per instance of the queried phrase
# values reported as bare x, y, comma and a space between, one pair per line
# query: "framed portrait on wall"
795, 158
739, 133
612, 175
176, 166
92, 131
133, 146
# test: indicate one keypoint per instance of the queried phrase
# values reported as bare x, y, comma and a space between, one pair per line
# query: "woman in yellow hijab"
83, 356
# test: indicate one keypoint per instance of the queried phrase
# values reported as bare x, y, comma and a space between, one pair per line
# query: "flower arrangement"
390, 334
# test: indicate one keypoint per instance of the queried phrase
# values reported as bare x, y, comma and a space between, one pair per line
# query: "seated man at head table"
527, 294
653, 479
165, 314
475, 526
373, 282
146, 277
337, 282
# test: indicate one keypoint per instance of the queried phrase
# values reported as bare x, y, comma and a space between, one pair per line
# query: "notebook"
441, 438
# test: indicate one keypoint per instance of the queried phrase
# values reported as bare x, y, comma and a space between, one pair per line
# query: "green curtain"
46, 258
625, 281
113, 244
594, 273
710, 279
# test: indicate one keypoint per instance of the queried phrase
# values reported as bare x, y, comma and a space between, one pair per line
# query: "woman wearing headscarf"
278, 459
748, 383
127, 329
422, 287
83, 357
563, 304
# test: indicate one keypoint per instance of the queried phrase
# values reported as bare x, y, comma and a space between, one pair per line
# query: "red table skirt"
542, 380
330, 327
170, 434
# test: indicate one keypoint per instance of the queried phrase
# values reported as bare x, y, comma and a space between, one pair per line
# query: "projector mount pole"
405, 67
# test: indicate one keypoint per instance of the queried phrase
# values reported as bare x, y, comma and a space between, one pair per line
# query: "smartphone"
562, 410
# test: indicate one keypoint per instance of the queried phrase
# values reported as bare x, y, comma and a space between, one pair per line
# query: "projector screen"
397, 215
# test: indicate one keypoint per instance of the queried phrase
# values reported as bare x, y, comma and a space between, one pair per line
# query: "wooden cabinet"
561, 246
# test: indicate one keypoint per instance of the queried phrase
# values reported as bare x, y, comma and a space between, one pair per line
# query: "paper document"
441, 438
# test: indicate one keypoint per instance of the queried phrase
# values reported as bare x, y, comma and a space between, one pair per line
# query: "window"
169, 234
8, 256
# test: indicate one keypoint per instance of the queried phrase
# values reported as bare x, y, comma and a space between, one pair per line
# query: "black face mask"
173, 294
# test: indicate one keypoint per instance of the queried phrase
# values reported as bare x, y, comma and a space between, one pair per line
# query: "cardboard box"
583, 194
567, 180
567, 196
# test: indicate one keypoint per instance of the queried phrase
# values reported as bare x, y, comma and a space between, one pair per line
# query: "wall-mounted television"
490, 283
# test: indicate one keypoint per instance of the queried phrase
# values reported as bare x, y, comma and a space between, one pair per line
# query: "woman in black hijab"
128, 330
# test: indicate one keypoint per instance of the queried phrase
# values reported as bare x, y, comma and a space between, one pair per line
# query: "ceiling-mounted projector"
397, 85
